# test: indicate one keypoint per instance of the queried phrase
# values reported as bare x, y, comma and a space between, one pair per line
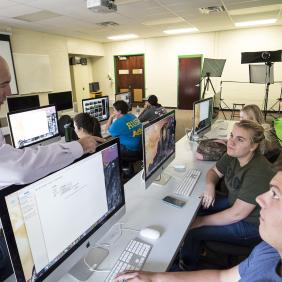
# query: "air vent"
212, 10
107, 24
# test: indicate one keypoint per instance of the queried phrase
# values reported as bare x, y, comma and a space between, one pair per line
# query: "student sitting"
270, 147
233, 219
127, 127
86, 125
263, 264
152, 109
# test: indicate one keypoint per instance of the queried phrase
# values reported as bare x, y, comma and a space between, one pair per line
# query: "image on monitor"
62, 100
33, 126
22, 103
158, 145
83, 200
94, 87
97, 107
126, 97
202, 111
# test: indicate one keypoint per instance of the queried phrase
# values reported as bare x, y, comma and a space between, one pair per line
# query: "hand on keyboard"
135, 276
132, 258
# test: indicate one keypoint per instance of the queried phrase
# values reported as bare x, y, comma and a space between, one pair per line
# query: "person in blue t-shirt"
127, 127
263, 264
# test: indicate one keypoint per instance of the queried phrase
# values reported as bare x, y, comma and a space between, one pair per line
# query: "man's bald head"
5, 79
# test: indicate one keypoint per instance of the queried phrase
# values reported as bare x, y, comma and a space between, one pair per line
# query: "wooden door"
189, 75
129, 72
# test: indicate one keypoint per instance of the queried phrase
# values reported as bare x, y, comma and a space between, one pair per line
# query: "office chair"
225, 255
131, 165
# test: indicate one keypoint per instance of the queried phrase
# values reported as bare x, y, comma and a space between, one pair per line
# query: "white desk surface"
145, 208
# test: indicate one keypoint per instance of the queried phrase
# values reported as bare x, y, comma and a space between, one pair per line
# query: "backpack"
210, 149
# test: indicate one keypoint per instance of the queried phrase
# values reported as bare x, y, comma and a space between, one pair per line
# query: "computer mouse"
150, 233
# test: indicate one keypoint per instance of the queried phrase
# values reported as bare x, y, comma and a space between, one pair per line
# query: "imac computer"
35, 126
51, 226
202, 119
126, 97
62, 100
158, 147
97, 107
94, 87
22, 102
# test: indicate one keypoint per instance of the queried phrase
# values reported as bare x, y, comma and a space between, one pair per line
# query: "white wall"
161, 62
58, 49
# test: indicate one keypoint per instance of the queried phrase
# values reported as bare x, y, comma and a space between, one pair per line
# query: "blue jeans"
239, 233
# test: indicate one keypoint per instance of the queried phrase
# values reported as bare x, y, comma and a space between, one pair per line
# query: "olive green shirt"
247, 182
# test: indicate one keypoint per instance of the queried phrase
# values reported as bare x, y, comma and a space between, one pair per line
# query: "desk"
221, 129
146, 208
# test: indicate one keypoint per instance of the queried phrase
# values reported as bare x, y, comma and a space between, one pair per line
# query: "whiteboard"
6, 53
33, 73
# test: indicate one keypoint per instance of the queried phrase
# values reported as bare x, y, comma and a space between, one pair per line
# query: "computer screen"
126, 97
97, 107
202, 111
22, 102
62, 100
94, 87
33, 126
46, 222
158, 146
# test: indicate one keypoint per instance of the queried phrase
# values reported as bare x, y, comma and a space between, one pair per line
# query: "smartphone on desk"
174, 201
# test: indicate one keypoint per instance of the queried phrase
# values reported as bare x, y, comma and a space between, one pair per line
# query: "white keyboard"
132, 258
187, 184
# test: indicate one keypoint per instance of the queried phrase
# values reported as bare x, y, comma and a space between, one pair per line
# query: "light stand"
207, 84
267, 83
222, 101
279, 101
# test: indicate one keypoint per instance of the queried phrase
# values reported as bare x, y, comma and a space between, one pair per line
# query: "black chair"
131, 164
226, 255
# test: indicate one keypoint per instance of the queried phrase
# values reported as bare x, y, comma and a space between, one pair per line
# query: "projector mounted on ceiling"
102, 6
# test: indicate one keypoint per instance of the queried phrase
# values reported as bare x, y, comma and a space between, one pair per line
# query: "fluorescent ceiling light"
258, 22
180, 30
123, 37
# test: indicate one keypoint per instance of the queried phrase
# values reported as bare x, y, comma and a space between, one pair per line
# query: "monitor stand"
163, 179
85, 267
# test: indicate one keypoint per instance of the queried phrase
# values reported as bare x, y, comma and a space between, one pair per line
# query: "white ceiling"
146, 18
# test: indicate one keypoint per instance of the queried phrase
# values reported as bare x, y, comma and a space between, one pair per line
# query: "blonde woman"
235, 218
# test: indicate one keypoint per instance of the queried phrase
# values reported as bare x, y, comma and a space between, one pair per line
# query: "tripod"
208, 82
279, 100
267, 83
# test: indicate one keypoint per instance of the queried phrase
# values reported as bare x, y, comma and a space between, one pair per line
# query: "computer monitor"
126, 97
36, 126
53, 223
158, 138
94, 87
202, 111
22, 102
97, 107
62, 100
